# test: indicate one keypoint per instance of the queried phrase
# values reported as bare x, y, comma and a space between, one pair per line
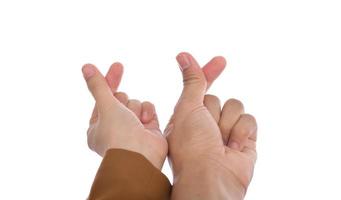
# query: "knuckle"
251, 121
235, 103
148, 103
250, 117
192, 78
122, 97
121, 94
134, 101
211, 98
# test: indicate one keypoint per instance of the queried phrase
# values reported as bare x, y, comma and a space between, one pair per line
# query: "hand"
117, 122
212, 151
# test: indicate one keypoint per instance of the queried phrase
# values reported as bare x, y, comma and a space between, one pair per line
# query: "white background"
283, 63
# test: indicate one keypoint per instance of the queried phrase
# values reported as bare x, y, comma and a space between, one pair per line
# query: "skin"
120, 122
212, 151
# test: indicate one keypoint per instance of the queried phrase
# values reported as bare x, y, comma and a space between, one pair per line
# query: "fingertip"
220, 60
253, 126
183, 53
88, 71
233, 105
213, 69
97, 86
184, 61
115, 70
148, 112
122, 97
193, 78
86, 64
117, 65
187, 61
114, 75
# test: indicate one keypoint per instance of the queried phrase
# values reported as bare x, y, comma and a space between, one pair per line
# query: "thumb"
97, 86
193, 78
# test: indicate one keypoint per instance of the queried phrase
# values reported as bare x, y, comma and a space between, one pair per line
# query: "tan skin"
212, 151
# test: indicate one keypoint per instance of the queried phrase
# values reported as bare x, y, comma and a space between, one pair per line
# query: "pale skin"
119, 122
212, 151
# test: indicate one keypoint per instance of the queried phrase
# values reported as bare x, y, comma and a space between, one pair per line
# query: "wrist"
206, 181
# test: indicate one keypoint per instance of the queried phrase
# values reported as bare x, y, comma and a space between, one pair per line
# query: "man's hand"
212, 151
118, 122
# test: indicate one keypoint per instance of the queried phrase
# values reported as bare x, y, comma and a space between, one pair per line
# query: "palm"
209, 141
241, 165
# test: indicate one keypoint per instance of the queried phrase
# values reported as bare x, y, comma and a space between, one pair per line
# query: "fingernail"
184, 61
145, 115
234, 145
88, 71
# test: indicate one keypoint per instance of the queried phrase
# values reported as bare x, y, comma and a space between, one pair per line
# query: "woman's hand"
118, 122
